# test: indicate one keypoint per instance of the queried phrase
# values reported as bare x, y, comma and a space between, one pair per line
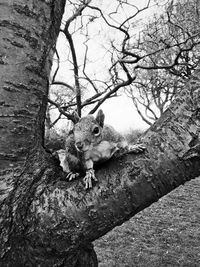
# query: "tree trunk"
46, 221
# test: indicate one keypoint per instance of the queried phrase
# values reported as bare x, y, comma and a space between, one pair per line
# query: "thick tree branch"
127, 184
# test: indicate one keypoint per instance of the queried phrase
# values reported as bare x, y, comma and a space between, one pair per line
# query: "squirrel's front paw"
88, 178
71, 176
136, 148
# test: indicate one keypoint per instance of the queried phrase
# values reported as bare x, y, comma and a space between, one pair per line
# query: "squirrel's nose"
79, 145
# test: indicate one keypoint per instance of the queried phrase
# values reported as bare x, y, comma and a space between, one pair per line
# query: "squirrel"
92, 142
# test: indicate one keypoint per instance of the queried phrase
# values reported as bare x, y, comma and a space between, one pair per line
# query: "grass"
163, 235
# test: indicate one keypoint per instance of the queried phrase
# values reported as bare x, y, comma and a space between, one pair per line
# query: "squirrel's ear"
76, 117
100, 117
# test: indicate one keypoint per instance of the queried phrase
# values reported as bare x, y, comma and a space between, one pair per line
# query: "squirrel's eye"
96, 130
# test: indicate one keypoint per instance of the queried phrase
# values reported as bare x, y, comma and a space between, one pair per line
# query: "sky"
119, 111
121, 114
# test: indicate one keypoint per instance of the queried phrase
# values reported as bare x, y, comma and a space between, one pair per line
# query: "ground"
165, 234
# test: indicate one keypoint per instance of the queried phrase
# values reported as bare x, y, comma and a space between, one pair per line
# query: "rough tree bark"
45, 221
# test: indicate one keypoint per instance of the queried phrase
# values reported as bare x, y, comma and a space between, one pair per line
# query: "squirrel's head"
88, 131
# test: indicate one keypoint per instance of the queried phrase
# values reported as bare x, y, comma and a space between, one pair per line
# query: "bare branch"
114, 90
77, 13
56, 120
63, 84
140, 113
76, 74
134, 15
61, 110
58, 66
84, 71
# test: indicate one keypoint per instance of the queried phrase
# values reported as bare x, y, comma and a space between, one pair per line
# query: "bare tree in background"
172, 41
152, 93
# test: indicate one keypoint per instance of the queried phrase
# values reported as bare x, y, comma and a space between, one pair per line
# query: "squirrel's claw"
88, 178
137, 148
71, 176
